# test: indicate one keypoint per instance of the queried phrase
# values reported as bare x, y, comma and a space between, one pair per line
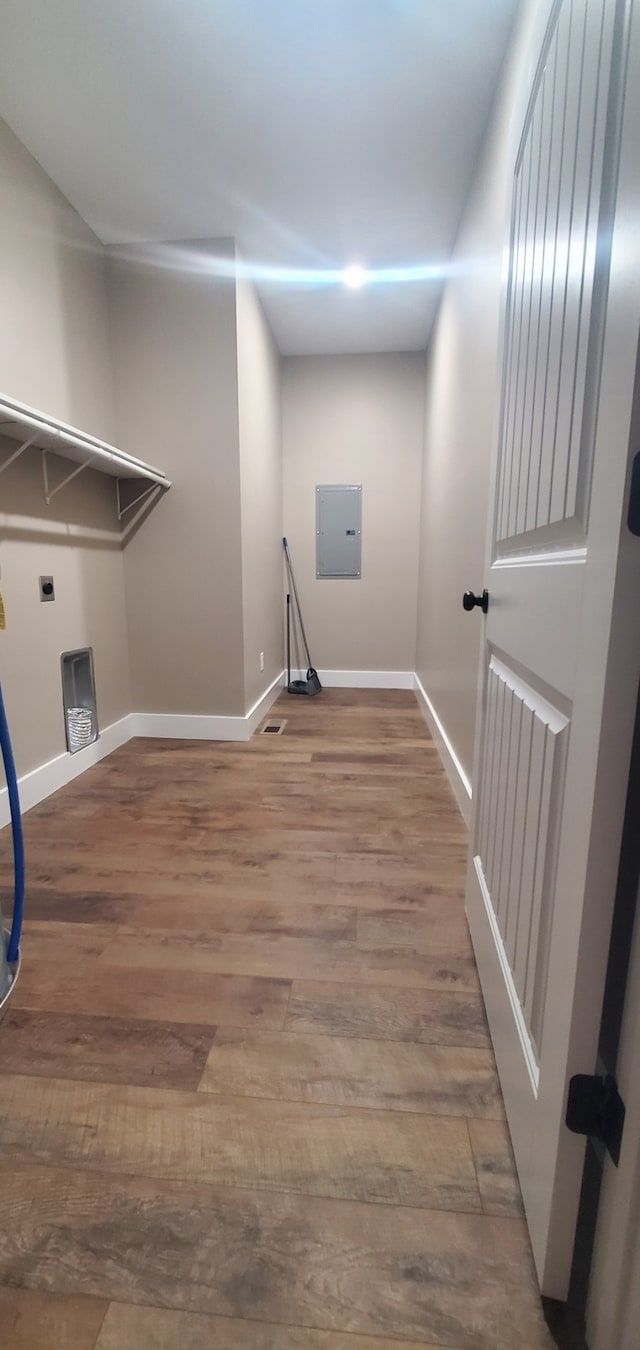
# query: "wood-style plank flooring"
248, 1096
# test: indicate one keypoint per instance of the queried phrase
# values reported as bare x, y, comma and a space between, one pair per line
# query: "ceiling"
315, 132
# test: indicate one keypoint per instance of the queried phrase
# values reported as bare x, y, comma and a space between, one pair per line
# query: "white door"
561, 649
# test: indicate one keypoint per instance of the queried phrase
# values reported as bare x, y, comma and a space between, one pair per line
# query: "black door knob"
469, 601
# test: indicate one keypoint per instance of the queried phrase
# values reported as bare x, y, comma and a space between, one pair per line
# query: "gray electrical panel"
338, 530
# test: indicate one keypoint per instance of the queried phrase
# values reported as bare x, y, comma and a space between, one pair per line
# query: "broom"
312, 683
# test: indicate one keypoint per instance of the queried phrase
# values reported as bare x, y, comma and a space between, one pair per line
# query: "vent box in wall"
338, 530
79, 699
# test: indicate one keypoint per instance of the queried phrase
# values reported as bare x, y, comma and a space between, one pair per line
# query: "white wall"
176, 382
54, 355
357, 419
261, 493
462, 395
54, 342
196, 390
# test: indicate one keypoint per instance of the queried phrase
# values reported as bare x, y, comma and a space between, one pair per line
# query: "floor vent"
273, 726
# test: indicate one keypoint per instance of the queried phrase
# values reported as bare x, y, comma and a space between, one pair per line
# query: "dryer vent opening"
79, 699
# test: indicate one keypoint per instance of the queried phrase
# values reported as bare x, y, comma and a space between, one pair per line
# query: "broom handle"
288, 640
295, 592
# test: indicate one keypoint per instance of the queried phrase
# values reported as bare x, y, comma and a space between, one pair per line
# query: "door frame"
613, 1304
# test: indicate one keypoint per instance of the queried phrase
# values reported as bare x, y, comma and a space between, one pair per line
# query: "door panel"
522, 781
545, 448
557, 676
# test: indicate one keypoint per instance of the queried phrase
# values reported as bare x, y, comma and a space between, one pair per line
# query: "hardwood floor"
248, 1095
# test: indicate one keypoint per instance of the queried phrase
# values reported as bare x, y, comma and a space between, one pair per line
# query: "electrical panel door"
338, 530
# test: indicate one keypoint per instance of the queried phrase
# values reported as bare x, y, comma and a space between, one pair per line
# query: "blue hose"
16, 833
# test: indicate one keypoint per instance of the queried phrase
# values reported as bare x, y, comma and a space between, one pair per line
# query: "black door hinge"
595, 1107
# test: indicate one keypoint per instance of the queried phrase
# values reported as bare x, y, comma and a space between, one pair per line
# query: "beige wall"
54, 355
176, 382
462, 392
195, 377
76, 541
54, 349
261, 493
357, 419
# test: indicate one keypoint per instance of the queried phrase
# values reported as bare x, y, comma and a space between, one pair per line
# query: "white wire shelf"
32, 428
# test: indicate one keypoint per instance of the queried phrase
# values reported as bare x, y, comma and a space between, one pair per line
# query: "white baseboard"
453, 768
361, 679
196, 727
41, 782
47, 778
261, 707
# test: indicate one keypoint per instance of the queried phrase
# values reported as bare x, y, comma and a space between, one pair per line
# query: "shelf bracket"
16, 454
141, 497
51, 492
